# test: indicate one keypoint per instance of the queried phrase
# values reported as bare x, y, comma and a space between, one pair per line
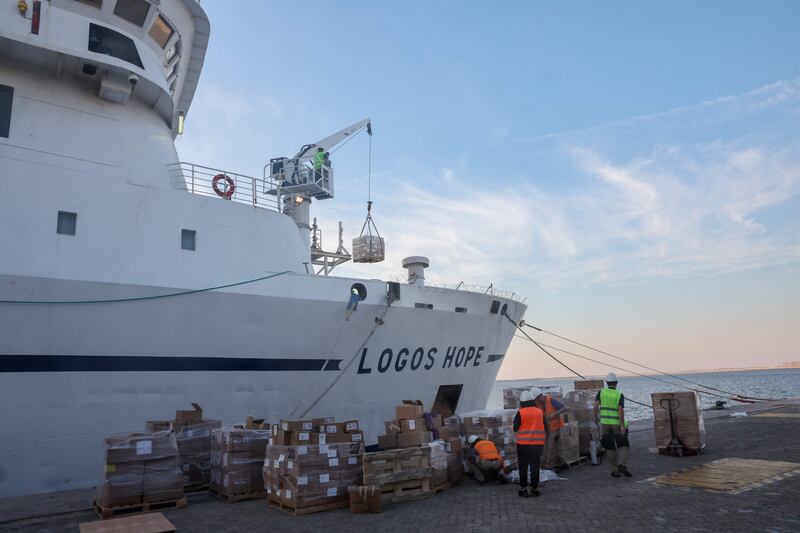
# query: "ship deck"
589, 499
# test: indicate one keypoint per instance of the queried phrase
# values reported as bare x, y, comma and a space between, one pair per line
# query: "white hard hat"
611, 377
472, 439
525, 396
536, 392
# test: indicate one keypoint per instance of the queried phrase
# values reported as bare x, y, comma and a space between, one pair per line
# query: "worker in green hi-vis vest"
319, 160
610, 406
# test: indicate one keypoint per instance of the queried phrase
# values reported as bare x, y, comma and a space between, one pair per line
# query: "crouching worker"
489, 463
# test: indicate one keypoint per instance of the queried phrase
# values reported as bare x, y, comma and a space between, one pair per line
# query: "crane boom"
330, 142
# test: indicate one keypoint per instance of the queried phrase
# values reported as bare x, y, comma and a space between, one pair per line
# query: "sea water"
772, 384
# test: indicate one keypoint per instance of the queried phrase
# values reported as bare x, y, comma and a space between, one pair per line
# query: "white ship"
131, 285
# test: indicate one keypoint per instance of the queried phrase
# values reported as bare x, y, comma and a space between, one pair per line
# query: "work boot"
615, 474
502, 479
624, 470
523, 493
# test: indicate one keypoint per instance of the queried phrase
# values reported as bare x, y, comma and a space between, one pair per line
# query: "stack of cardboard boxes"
193, 435
401, 473
687, 419
318, 431
580, 404
237, 457
411, 427
494, 425
311, 463
138, 468
511, 397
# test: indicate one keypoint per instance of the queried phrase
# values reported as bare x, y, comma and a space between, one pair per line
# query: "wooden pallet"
143, 523
404, 491
577, 462
399, 464
195, 488
300, 511
139, 508
442, 486
233, 498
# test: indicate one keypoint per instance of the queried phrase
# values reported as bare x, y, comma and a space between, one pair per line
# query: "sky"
630, 169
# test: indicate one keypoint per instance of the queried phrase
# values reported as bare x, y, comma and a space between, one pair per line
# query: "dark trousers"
529, 456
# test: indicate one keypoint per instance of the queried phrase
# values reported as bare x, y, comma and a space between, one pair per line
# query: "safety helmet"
472, 439
611, 378
536, 392
525, 396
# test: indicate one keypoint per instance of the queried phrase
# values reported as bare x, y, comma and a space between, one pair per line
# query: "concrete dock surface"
589, 499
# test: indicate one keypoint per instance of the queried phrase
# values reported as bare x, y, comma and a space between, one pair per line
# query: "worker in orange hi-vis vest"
530, 427
487, 464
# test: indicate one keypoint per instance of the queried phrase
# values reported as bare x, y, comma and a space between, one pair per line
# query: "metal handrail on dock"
198, 179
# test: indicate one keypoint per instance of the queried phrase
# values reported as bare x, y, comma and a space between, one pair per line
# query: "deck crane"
296, 175
296, 182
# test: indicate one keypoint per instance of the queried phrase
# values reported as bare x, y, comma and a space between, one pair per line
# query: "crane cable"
647, 367
542, 346
627, 398
505, 314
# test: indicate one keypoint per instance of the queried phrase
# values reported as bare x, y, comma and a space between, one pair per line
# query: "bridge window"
106, 41
134, 11
161, 31
6, 97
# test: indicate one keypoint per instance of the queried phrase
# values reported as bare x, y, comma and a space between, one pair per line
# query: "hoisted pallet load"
369, 247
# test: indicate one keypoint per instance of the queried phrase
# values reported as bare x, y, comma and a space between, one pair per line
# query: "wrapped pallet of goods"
310, 464
455, 459
139, 471
580, 403
237, 459
402, 473
193, 435
678, 419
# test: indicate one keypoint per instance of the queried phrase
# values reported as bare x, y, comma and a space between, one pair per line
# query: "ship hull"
72, 373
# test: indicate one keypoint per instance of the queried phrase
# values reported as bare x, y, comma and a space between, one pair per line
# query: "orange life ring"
231, 186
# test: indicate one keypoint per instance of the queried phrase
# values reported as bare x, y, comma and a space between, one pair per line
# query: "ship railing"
480, 289
199, 179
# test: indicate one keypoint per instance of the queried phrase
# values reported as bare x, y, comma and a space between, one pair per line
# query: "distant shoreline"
677, 372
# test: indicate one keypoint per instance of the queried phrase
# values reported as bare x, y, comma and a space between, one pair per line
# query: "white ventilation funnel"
416, 265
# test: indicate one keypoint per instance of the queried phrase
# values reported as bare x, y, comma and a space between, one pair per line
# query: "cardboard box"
350, 425
434, 420
388, 441
448, 432
409, 409
392, 426
408, 425
337, 438
140, 447
162, 480
453, 445
415, 438
589, 384
240, 440
299, 425
687, 417
193, 416
121, 484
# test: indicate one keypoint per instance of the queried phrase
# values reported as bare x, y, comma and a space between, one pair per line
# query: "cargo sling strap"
609, 407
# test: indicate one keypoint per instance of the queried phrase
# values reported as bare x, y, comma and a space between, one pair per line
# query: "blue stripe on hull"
121, 363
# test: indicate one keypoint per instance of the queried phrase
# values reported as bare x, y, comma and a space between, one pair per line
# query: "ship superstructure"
132, 283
